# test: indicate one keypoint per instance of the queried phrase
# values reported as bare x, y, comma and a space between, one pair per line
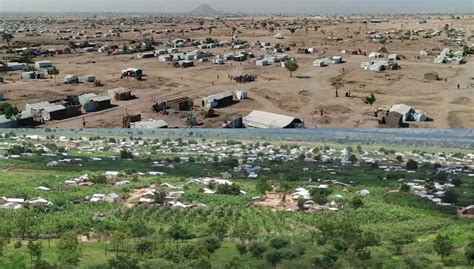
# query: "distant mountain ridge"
205, 10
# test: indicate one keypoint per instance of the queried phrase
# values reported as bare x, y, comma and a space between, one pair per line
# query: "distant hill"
204, 10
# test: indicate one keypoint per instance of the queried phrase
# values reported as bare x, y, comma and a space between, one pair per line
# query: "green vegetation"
389, 228
291, 65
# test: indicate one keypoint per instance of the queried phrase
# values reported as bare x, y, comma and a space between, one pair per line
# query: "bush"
227, 189
257, 249
241, 248
279, 242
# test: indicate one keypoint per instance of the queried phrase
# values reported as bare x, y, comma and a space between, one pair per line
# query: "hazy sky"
316, 6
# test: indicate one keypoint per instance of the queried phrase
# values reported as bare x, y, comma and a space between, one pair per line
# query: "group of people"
243, 78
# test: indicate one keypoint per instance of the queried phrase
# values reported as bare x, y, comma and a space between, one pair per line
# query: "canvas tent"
70, 79
152, 124
408, 113
222, 99
262, 119
43, 64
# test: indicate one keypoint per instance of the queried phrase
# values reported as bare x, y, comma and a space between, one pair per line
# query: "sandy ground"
302, 96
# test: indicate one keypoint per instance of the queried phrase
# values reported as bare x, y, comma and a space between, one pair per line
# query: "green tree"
337, 84
274, 257
159, 197
412, 165
35, 250
123, 262
443, 246
353, 159
212, 244
118, 240
53, 71
9, 110
144, 247
404, 188
23, 222
469, 252
319, 196
356, 202
68, 250
241, 248
7, 37
262, 186
370, 100
456, 182
257, 249
291, 65
72, 45
284, 187
450, 196
218, 228
177, 233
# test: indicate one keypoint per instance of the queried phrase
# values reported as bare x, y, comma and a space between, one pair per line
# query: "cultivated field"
106, 201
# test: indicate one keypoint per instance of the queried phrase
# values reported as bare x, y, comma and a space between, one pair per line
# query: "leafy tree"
284, 187
9, 110
144, 246
212, 244
177, 232
118, 240
23, 222
99, 179
319, 196
68, 249
139, 229
404, 188
72, 45
456, 182
125, 154
301, 203
337, 84
202, 263
291, 65
353, 159
274, 257
218, 228
412, 165
159, 197
443, 246
234, 263
469, 252
35, 250
450, 196
262, 186
7, 37
257, 249
228, 189
243, 230
123, 262
279, 242
370, 100
356, 202
53, 71
241, 248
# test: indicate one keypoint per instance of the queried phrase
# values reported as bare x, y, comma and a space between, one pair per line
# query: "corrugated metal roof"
262, 119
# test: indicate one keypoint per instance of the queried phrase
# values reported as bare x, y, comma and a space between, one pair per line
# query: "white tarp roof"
262, 119
401, 108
